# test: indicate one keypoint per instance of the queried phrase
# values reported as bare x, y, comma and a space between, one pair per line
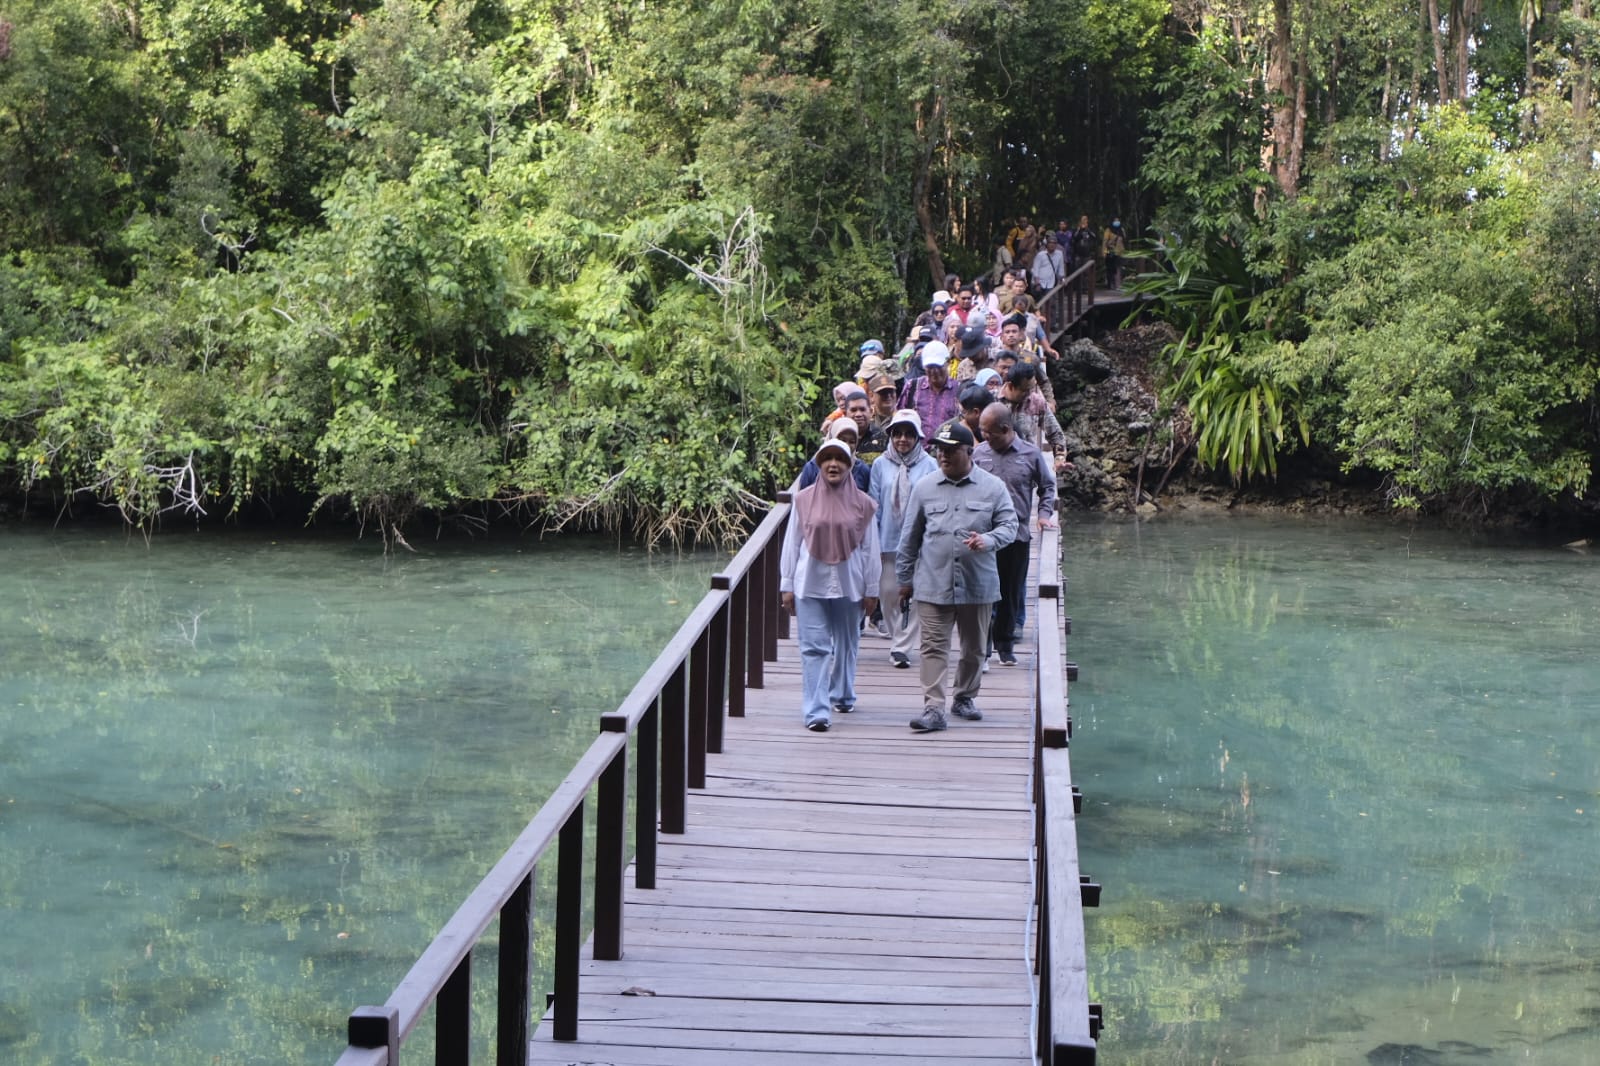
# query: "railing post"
516, 957
371, 1027
699, 707
569, 925
718, 679
452, 1034
738, 638
773, 557
646, 809
758, 619
674, 756
610, 846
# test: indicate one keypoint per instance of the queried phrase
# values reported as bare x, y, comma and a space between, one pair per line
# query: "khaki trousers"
940, 622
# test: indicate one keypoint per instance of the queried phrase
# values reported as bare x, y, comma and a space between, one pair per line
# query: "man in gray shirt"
954, 525
1025, 472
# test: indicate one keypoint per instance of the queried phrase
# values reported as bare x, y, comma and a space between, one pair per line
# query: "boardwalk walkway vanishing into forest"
864, 895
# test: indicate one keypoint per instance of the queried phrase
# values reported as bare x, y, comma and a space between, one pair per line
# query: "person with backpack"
1115, 247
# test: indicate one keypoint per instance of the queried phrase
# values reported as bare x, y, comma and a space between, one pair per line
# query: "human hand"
1048, 522
868, 605
976, 542
787, 600
905, 596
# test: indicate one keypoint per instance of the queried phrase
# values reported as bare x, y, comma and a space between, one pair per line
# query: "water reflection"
243, 781
1342, 790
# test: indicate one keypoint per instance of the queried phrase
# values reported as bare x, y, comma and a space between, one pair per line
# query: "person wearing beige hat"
894, 474
885, 395
873, 362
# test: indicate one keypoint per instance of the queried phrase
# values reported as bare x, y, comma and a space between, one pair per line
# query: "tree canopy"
593, 262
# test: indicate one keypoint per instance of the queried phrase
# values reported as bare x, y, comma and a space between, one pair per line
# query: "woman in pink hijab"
829, 570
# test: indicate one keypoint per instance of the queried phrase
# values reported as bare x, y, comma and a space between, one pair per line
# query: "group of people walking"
931, 535
1048, 257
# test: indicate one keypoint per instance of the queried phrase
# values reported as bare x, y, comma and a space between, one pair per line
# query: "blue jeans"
828, 630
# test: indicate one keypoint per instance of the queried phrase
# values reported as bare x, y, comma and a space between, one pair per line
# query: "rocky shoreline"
1129, 457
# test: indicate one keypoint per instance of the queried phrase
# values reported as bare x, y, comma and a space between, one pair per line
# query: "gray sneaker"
929, 721
965, 708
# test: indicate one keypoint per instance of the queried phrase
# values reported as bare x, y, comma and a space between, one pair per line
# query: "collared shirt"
934, 408
933, 560
1025, 471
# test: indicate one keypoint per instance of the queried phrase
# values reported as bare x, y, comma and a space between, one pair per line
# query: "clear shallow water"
1342, 787
244, 779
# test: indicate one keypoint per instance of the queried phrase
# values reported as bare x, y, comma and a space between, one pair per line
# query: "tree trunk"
1439, 65
1285, 96
1582, 83
928, 127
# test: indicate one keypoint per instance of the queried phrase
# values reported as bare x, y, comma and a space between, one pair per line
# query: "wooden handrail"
1070, 300
1067, 1024
675, 710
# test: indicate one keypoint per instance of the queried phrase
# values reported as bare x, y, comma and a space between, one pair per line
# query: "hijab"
833, 518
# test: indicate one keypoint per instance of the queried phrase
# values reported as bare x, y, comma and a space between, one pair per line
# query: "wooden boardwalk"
861, 895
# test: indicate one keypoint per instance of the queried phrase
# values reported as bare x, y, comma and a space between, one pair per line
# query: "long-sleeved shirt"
1024, 470
808, 578
933, 560
935, 408
885, 472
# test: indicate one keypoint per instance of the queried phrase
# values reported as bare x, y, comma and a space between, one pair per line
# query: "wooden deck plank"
860, 896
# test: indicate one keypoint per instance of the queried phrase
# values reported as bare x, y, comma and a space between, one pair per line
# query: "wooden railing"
676, 713
1067, 1024
1070, 300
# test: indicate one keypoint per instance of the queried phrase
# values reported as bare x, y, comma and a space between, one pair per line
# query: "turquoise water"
1342, 787
244, 780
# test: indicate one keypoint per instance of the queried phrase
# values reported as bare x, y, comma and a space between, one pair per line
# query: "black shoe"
840, 708
819, 726
929, 721
902, 661
1008, 658
965, 708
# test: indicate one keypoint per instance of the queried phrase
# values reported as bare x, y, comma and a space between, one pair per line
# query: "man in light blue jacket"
894, 474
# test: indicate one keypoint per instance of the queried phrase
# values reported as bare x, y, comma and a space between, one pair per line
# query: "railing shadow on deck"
676, 712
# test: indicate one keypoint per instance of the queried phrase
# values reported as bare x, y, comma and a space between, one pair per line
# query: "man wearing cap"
872, 362
946, 561
1026, 473
896, 472
932, 395
976, 345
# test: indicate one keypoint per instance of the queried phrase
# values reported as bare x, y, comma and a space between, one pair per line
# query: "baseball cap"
954, 433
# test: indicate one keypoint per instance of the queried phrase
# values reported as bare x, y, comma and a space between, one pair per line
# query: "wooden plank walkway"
862, 895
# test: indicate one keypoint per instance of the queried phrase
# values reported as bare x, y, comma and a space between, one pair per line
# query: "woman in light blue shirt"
902, 465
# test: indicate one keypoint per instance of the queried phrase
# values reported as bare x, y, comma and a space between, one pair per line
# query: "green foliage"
1451, 381
1221, 366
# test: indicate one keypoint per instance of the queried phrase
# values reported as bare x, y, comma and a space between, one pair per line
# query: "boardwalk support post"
516, 968
569, 925
371, 1027
610, 857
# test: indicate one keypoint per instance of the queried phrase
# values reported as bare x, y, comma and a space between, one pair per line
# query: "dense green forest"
590, 263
